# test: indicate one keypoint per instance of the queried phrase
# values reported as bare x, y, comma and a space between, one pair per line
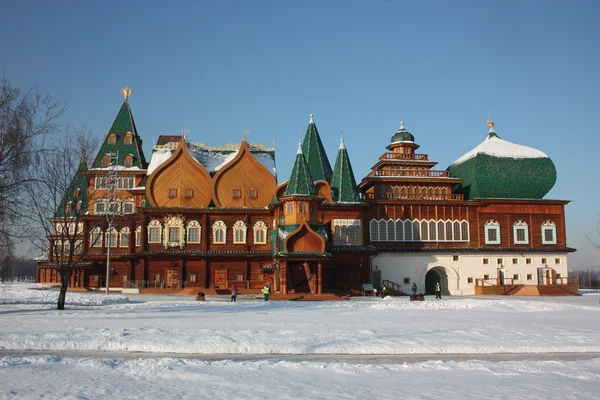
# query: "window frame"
239, 232
492, 226
549, 226
520, 226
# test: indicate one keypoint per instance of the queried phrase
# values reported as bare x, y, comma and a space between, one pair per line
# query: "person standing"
265, 292
383, 292
234, 291
414, 288
438, 291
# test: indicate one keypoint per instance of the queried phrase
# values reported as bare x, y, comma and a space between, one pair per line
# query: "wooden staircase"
393, 288
541, 290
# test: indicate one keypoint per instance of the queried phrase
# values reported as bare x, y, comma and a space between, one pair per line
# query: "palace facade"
206, 217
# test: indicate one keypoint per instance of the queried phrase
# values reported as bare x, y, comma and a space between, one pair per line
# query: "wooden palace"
205, 217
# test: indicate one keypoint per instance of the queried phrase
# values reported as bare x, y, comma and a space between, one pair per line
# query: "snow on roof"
494, 146
213, 158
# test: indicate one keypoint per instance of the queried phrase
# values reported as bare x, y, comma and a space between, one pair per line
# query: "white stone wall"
397, 267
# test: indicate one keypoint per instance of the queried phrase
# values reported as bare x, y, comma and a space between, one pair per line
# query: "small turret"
343, 183
314, 152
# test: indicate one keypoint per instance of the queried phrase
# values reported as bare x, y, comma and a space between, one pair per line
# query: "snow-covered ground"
94, 323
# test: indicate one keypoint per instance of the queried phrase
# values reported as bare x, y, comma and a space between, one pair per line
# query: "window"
528, 261
454, 258
259, 278
128, 207
347, 232
557, 261
105, 161
515, 261
520, 233
290, 208
154, 231
406, 230
492, 232
174, 231
558, 276
192, 278
260, 233
240, 278
100, 207
111, 238
193, 232
96, 237
138, 236
156, 277
469, 280
544, 261
219, 232
189, 193
239, 232
68, 208
486, 261
548, 233
486, 277
172, 193
128, 162
406, 280
128, 138
373, 230
124, 237
301, 207
237, 194
78, 247
529, 277
516, 277
112, 139
253, 193
500, 261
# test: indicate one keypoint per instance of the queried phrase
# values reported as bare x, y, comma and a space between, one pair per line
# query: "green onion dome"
500, 169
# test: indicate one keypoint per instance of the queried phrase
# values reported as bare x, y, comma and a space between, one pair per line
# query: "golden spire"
126, 92
491, 125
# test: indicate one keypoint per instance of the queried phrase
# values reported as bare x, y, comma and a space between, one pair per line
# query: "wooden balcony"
403, 156
393, 196
560, 287
422, 173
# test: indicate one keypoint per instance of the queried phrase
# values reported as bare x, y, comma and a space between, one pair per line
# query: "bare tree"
27, 118
59, 195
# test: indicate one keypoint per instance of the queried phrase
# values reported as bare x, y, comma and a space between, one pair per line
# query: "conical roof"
76, 193
343, 183
500, 169
122, 125
315, 155
301, 182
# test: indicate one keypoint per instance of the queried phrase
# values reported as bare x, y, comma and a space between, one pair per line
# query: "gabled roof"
301, 181
122, 125
315, 155
343, 183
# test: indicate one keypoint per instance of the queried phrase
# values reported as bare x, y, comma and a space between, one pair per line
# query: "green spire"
316, 158
123, 125
343, 184
301, 182
76, 193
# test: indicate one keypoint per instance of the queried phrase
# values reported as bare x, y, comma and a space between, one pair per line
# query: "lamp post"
113, 209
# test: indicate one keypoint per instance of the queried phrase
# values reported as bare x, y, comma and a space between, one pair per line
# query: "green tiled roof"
343, 183
316, 158
123, 123
301, 181
402, 135
78, 185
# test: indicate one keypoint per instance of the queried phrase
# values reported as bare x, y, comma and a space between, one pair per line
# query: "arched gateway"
445, 275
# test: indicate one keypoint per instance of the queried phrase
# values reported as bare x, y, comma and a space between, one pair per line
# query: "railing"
392, 285
393, 196
149, 284
404, 156
411, 172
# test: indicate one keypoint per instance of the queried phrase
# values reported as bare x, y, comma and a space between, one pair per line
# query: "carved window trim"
492, 228
520, 228
260, 232
219, 232
193, 226
154, 231
239, 232
549, 227
173, 234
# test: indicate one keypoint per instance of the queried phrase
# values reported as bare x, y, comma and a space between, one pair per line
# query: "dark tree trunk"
65, 277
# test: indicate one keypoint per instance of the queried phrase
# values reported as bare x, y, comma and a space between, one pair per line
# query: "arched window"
492, 232
112, 139
444, 193
441, 231
432, 231
399, 230
548, 232
111, 238
219, 232
408, 230
128, 161
260, 233
424, 231
391, 231
138, 236
239, 232
124, 239
520, 232
128, 138
105, 161
374, 230
290, 208
403, 192
96, 237
464, 231
382, 230
193, 232
154, 231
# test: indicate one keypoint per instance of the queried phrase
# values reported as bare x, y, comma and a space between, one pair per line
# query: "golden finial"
126, 92
491, 124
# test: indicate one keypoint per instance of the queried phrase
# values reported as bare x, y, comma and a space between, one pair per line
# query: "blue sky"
443, 67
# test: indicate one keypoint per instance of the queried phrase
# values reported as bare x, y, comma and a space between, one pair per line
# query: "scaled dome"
402, 135
499, 169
